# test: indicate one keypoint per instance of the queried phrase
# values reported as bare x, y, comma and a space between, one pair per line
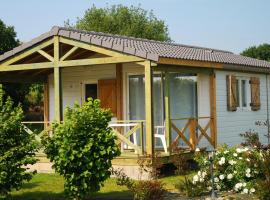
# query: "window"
242, 93
90, 91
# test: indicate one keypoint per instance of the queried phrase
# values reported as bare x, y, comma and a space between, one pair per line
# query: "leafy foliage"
142, 189
82, 148
123, 20
189, 189
7, 38
261, 52
17, 148
232, 170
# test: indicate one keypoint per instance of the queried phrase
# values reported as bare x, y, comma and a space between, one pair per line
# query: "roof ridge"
141, 39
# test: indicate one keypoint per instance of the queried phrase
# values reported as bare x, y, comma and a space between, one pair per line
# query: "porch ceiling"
25, 76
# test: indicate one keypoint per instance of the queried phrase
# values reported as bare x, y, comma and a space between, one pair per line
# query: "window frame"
240, 107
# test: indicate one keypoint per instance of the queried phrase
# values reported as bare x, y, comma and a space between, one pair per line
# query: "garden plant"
82, 148
17, 147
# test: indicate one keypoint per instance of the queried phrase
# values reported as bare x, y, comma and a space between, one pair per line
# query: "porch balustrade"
131, 133
192, 131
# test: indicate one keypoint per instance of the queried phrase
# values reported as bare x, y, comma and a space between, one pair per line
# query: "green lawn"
50, 187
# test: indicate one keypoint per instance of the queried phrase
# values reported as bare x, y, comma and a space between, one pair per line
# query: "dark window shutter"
255, 93
232, 100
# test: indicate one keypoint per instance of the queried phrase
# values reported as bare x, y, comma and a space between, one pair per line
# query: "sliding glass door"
183, 98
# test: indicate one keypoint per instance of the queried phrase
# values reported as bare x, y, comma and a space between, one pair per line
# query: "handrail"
36, 122
187, 118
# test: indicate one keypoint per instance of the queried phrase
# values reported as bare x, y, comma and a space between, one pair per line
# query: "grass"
51, 187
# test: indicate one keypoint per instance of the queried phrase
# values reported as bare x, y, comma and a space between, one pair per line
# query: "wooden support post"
167, 112
149, 108
57, 81
212, 93
46, 103
192, 133
119, 91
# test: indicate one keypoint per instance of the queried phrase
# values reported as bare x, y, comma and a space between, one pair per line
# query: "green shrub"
142, 189
82, 148
17, 148
188, 188
148, 190
232, 170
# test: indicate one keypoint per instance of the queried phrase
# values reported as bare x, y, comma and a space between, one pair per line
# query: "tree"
261, 52
17, 147
123, 20
19, 92
82, 148
7, 38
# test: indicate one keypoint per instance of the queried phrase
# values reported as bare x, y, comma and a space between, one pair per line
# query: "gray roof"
148, 49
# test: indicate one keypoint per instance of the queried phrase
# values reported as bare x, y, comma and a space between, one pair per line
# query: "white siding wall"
73, 79
231, 124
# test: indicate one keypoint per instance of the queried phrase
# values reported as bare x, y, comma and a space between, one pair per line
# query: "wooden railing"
193, 131
126, 132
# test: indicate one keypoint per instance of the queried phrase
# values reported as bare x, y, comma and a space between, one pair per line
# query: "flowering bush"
232, 170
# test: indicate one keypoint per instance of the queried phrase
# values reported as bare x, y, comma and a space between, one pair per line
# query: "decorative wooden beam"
99, 61
27, 52
90, 47
167, 112
57, 81
43, 65
149, 108
46, 55
191, 63
71, 51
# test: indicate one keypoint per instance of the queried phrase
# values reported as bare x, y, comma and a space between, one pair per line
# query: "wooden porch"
135, 137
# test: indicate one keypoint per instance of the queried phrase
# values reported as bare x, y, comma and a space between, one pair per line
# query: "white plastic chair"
160, 133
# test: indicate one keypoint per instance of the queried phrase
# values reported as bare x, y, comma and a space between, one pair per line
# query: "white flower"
235, 154
199, 173
248, 160
232, 162
201, 180
216, 179
252, 190
218, 187
245, 191
221, 161
234, 172
248, 170
238, 150
230, 176
195, 179
248, 175
246, 149
197, 149
244, 184
221, 177
204, 174
209, 188
240, 158
225, 152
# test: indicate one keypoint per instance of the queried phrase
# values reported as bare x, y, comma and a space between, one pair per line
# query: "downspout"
267, 104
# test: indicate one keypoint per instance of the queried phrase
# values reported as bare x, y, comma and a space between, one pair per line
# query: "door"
107, 94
